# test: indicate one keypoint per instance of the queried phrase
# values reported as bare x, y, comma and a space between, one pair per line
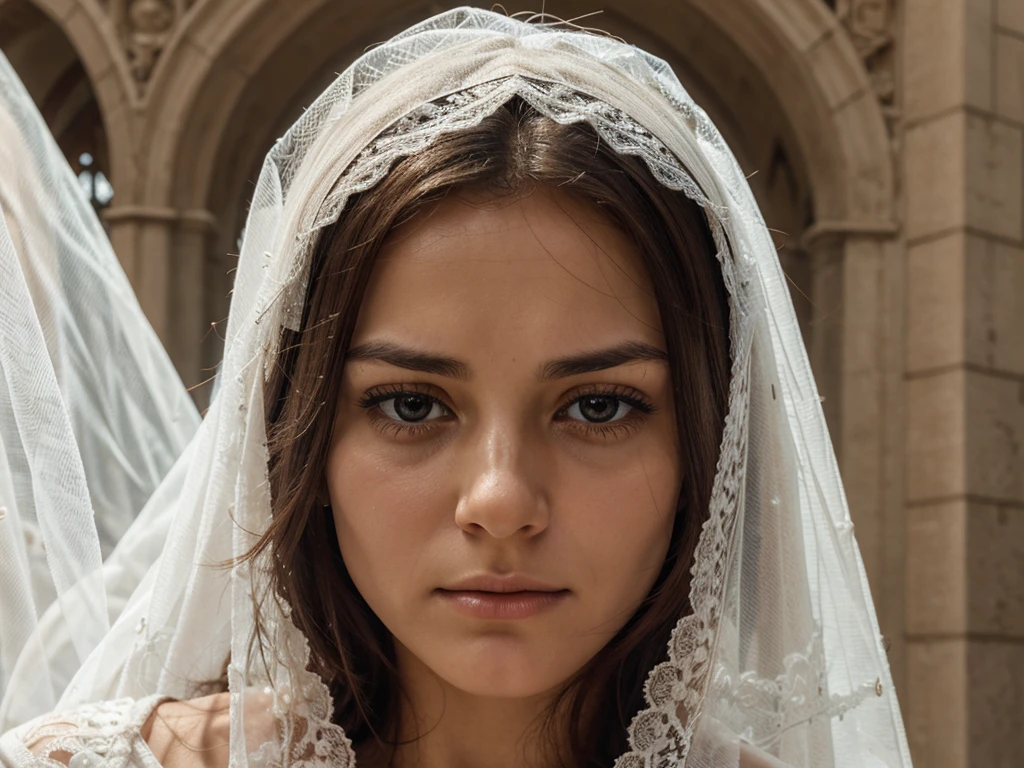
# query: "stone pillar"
857, 355
963, 171
163, 252
190, 248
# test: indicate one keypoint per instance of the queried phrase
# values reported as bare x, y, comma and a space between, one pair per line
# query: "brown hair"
510, 152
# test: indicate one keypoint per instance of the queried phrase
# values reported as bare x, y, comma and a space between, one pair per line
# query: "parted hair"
514, 150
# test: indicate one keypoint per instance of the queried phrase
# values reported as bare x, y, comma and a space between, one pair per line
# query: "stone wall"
963, 72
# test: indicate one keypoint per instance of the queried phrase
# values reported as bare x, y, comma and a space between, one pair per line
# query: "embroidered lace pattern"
102, 734
795, 697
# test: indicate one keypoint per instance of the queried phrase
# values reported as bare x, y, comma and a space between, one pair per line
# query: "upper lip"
512, 582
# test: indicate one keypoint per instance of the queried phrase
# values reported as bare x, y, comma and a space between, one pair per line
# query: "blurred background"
885, 143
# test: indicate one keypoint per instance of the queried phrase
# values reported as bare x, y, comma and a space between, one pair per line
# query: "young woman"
515, 460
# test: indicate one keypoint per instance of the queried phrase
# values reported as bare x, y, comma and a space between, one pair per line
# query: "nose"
503, 493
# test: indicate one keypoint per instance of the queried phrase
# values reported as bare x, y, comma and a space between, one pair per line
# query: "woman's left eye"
598, 409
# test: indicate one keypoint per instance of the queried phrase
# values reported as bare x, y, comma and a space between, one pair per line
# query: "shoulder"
190, 733
183, 734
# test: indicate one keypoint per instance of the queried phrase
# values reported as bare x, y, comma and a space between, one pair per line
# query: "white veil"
92, 412
782, 652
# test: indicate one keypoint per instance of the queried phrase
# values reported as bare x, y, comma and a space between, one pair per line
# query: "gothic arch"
87, 27
227, 77
806, 60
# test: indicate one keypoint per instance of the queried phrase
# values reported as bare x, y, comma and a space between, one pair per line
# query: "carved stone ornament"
870, 26
147, 25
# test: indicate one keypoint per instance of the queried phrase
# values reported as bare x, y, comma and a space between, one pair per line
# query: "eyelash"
640, 407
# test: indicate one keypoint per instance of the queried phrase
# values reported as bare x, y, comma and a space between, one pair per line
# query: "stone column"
964, 165
141, 237
190, 248
163, 252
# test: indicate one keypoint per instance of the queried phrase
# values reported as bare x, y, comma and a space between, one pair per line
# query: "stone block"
840, 72
995, 176
965, 435
964, 170
995, 571
864, 310
937, 585
965, 570
965, 303
946, 58
995, 703
994, 454
936, 303
1009, 77
1010, 15
936, 436
965, 703
936, 703
799, 23
934, 171
994, 288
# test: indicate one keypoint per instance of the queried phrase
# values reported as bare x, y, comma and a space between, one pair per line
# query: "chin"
505, 667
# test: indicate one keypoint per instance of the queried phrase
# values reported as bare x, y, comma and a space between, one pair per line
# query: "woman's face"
504, 469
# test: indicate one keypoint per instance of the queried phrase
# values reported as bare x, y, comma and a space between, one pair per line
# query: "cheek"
384, 515
621, 521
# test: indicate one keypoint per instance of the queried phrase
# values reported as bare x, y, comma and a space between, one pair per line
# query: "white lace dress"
105, 734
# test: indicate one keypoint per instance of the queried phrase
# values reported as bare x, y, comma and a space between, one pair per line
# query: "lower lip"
502, 605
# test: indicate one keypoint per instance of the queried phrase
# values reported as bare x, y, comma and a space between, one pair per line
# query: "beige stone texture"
936, 436
995, 570
936, 303
994, 288
946, 62
935, 703
965, 703
995, 703
965, 570
995, 176
863, 305
839, 85
964, 169
934, 168
869, 183
1010, 15
802, 26
965, 435
937, 584
995, 429
965, 304
1009, 77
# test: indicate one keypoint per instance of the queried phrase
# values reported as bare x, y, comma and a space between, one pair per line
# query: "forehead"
542, 269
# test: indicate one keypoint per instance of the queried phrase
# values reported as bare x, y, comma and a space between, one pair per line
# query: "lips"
513, 596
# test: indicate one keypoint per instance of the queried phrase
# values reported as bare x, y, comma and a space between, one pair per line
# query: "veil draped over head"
781, 655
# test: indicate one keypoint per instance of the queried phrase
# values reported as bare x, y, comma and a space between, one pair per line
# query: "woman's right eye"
412, 408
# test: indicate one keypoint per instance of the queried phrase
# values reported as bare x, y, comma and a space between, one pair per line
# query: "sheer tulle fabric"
781, 658
92, 416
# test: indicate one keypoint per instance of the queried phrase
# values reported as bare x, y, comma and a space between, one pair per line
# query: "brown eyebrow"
410, 359
600, 360
563, 367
